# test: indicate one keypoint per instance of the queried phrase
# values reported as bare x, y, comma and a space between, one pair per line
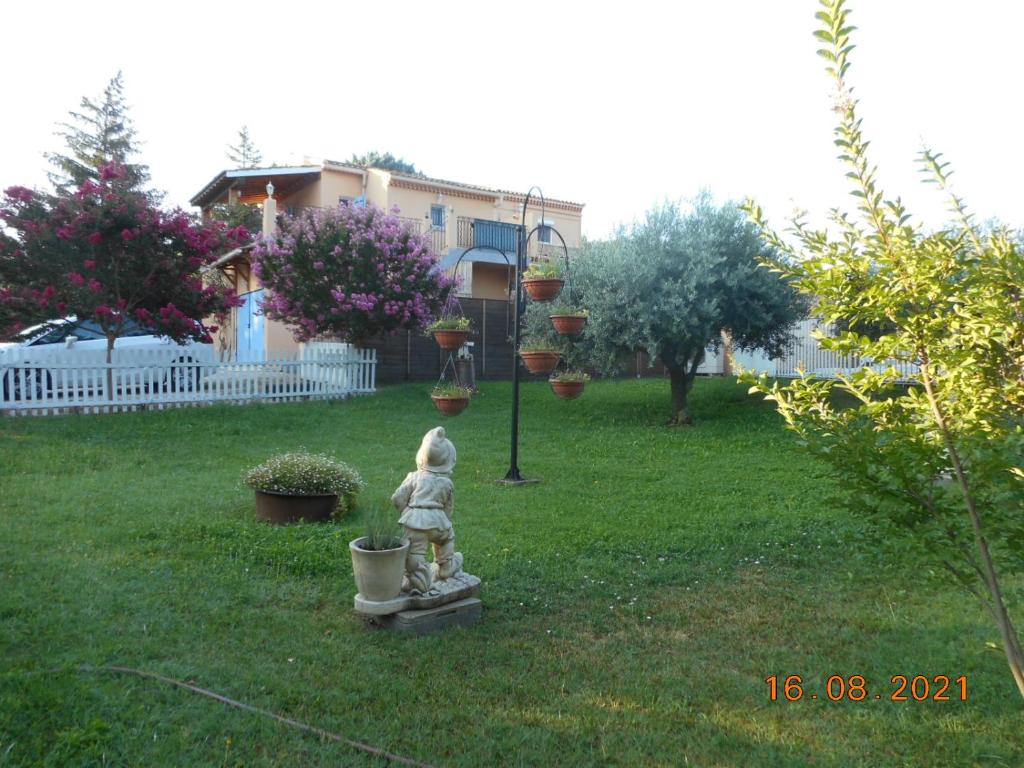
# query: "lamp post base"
514, 478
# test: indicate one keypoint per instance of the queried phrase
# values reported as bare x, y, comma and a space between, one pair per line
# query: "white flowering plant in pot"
303, 486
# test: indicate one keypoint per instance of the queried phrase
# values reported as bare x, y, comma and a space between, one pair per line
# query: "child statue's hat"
436, 453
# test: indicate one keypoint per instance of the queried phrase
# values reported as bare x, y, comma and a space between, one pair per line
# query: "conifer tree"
98, 135
244, 154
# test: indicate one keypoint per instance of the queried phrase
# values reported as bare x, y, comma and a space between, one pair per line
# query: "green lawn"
635, 600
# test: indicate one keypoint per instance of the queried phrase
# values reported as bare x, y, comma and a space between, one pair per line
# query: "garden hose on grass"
376, 752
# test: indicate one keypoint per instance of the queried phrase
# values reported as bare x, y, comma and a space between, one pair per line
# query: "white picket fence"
166, 378
806, 354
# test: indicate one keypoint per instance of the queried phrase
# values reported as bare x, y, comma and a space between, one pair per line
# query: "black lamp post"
513, 476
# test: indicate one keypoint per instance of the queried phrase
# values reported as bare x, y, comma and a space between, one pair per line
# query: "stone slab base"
458, 587
461, 613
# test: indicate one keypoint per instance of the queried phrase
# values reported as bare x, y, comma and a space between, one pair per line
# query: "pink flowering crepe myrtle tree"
105, 252
354, 272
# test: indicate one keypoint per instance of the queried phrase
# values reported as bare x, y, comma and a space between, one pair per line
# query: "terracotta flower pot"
543, 288
378, 572
450, 339
567, 390
450, 405
540, 361
568, 325
284, 508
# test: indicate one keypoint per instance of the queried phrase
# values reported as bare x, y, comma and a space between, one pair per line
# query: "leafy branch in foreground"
936, 463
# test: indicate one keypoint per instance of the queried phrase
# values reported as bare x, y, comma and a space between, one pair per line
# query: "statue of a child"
425, 499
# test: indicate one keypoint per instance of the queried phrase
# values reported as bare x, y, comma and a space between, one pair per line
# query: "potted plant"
543, 280
568, 385
303, 486
451, 332
568, 321
538, 356
378, 558
451, 399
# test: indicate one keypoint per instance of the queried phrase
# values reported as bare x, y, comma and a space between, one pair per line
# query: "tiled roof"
474, 187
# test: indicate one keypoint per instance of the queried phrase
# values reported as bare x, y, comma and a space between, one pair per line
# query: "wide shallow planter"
567, 390
450, 405
450, 339
543, 288
284, 508
378, 572
540, 361
568, 325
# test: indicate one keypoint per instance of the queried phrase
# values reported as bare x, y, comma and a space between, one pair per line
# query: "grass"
635, 600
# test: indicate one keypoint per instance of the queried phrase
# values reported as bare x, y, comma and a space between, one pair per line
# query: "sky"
616, 105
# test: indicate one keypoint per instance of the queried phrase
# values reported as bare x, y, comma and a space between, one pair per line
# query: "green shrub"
567, 310
536, 345
448, 389
382, 530
570, 376
453, 323
307, 474
546, 269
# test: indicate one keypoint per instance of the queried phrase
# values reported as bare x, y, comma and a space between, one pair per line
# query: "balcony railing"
484, 233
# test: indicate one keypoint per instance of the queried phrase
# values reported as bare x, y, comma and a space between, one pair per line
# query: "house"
456, 217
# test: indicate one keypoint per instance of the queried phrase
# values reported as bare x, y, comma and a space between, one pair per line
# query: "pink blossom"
20, 194
95, 238
111, 171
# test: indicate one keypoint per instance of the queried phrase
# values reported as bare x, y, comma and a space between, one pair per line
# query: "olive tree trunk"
682, 370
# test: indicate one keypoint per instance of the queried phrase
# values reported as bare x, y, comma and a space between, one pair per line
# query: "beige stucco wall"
308, 196
335, 183
278, 338
490, 281
377, 187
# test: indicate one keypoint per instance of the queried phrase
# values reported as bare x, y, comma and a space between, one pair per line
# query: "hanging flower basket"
543, 280
450, 340
451, 332
450, 399
568, 385
540, 360
543, 288
569, 324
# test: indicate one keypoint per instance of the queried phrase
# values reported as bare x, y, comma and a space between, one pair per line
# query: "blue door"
250, 329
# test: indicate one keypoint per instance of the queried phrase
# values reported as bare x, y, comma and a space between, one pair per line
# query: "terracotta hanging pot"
543, 288
450, 405
450, 340
569, 325
567, 389
540, 361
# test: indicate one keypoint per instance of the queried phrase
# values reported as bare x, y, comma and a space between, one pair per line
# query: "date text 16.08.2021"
856, 688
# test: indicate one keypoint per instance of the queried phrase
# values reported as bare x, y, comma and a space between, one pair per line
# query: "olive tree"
672, 284
937, 465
